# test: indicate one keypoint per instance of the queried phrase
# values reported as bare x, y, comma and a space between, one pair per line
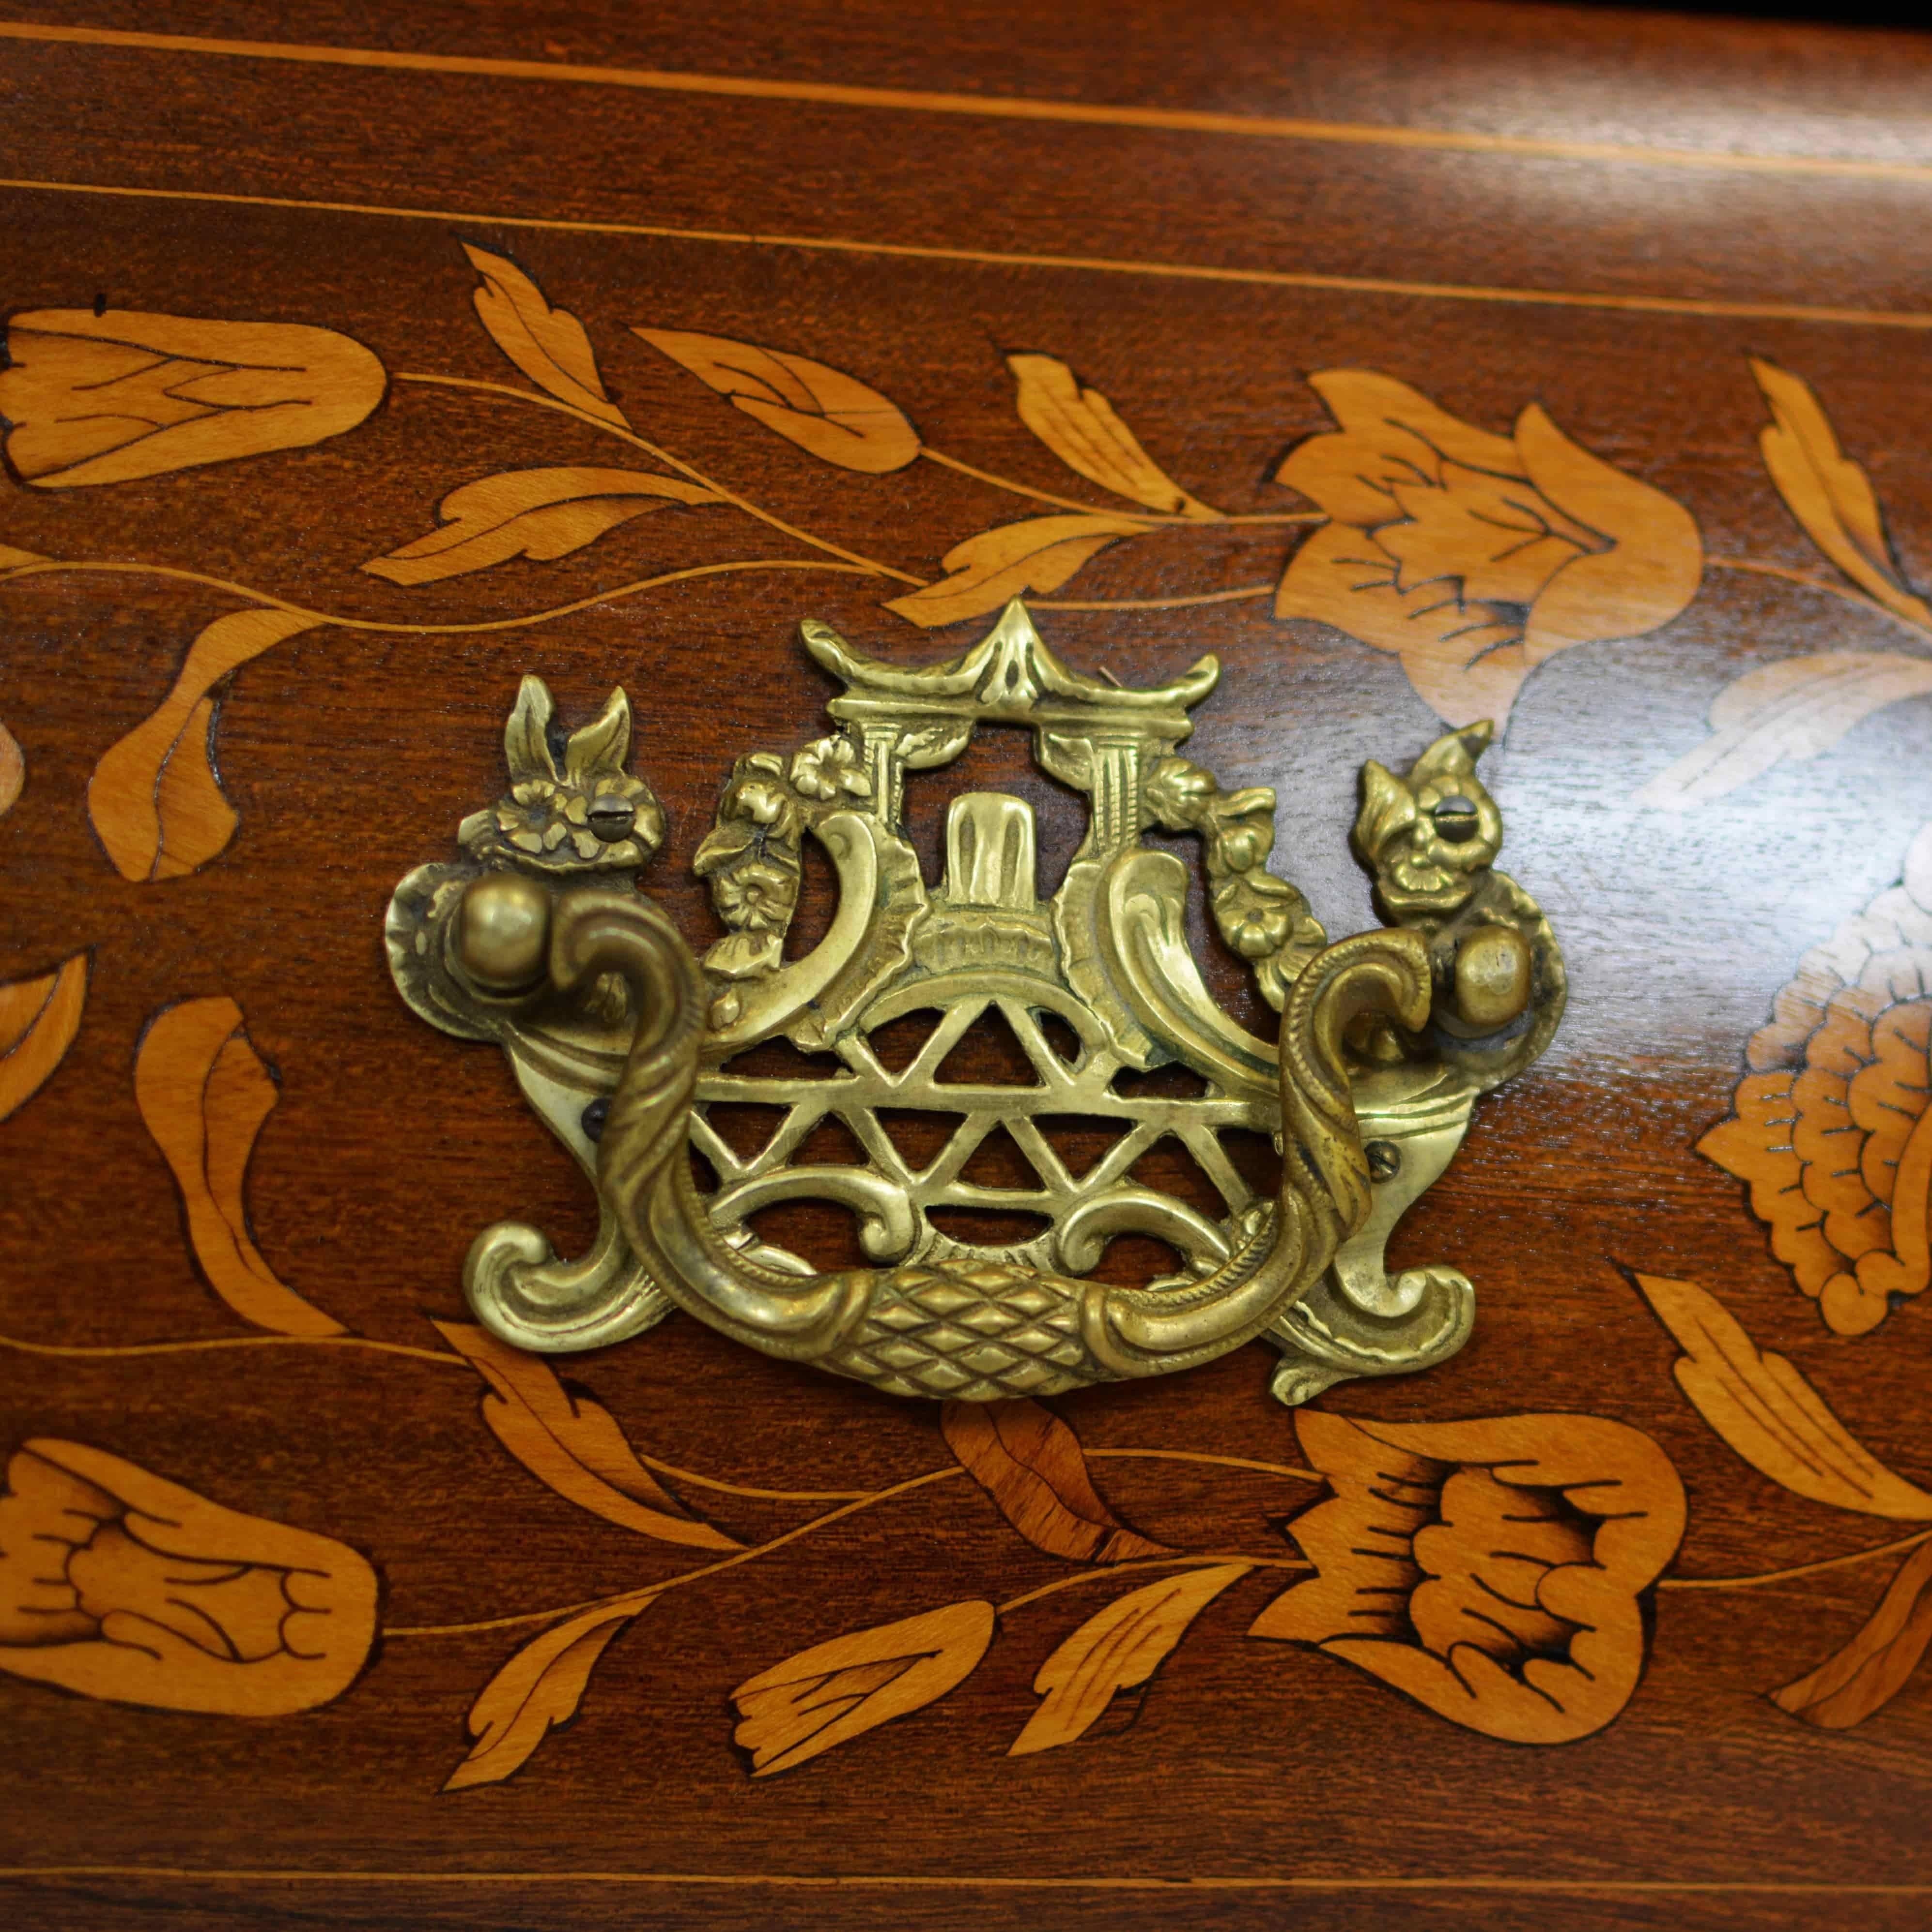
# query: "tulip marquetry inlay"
1488, 438
1472, 557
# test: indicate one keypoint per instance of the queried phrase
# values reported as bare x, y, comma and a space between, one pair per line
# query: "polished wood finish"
607, 346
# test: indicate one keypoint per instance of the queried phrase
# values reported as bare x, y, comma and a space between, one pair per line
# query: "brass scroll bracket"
625, 1042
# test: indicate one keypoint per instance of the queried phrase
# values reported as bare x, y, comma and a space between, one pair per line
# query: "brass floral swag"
619, 1038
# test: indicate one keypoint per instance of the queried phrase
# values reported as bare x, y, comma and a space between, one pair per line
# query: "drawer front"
1556, 369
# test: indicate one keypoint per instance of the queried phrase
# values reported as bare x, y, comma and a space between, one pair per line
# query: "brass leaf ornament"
626, 1042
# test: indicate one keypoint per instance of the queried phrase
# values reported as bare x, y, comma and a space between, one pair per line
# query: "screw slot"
612, 818
1456, 819
1385, 1160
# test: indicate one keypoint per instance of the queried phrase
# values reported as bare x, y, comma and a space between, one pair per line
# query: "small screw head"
1455, 820
593, 1118
611, 818
1385, 1160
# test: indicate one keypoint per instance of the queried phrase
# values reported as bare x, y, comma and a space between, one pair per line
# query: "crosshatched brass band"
624, 1041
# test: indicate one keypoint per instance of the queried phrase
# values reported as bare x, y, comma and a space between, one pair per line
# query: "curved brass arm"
898, 1328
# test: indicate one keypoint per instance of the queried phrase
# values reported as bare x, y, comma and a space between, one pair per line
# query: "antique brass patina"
624, 1042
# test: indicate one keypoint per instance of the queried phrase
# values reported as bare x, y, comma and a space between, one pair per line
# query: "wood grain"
1027, 269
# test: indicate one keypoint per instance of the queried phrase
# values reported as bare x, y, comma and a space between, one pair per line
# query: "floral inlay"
1475, 557
1502, 1572
1492, 1569
117, 1584
1831, 1133
90, 398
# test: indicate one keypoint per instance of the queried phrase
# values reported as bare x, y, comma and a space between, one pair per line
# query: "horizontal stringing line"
1277, 278
981, 107
929, 1881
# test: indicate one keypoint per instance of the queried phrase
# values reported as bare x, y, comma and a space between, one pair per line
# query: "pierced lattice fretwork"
935, 1138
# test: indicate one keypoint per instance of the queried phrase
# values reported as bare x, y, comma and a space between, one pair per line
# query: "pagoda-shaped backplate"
981, 944
647, 1062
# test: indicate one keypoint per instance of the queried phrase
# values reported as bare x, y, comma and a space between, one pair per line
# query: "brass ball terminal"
1492, 977
502, 932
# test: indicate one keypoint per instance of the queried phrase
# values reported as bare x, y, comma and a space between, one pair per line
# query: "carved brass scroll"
624, 1041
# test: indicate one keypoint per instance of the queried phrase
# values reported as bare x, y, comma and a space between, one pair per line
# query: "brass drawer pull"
624, 1041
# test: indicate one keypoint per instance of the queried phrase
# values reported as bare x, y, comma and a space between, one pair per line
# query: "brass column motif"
624, 1041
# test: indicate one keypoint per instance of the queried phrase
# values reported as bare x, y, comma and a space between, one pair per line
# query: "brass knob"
502, 933
1492, 977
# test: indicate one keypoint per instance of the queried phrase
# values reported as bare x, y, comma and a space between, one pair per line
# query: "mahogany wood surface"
1697, 249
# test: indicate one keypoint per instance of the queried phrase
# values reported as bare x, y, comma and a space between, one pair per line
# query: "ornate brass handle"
1027, 1331
624, 1040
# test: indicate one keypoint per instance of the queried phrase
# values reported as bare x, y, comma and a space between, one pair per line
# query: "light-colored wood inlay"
38, 1020
204, 1093
12, 764
1117, 1649
1104, 265
996, 107
146, 1592
573, 1444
